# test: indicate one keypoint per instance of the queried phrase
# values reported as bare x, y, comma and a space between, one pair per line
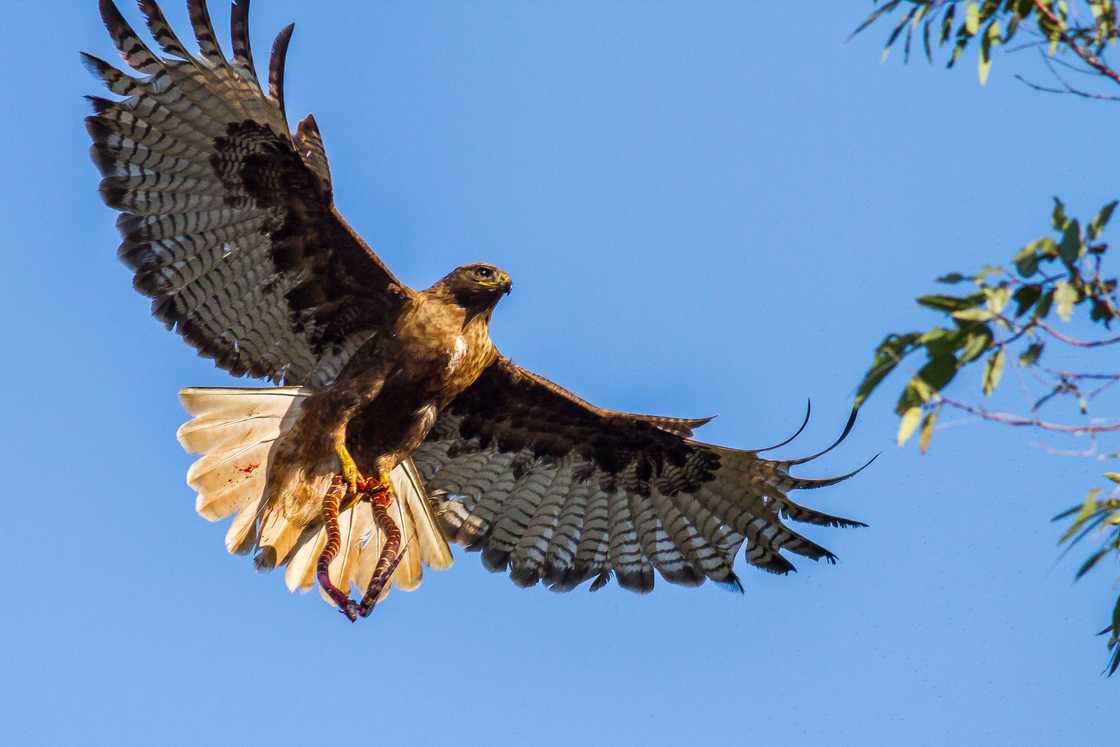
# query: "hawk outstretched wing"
227, 218
557, 490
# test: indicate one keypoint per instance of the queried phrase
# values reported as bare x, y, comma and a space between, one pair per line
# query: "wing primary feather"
731, 583
118, 82
134, 51
162, 31
847, 429
242, 47
204, 33
805, 422
276, 67
800, 483
797, 512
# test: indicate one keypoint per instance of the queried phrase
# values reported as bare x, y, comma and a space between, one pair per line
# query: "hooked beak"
507, 285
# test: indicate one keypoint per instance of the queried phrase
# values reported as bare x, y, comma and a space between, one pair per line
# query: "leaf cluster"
959, 24
1101, 515
1008, 311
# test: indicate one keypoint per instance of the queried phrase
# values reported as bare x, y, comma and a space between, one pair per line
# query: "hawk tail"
235, 430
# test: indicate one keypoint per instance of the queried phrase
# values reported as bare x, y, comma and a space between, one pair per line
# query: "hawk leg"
350, 471
331, 500
380, 496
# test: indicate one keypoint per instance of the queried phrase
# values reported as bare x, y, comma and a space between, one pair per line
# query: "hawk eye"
484, 272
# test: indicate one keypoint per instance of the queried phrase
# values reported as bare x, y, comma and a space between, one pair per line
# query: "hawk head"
476, 287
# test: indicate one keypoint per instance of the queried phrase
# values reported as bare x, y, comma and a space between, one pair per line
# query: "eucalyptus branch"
1088, 57
1007, 418
1071, 341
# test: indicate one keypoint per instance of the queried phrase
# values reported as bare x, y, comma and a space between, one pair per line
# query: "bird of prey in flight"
398, 427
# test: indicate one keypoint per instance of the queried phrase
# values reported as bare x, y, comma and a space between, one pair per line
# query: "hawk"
399, 427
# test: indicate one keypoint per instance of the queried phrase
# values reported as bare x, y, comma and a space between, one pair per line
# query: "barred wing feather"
227, 218
556, 490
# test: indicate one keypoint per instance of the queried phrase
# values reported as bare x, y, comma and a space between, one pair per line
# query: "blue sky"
707, 208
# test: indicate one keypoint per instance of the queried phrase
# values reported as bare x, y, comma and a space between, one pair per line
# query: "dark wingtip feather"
495, 560
99, 105
843, 435
524, 577
600, 581
640, 582
732, 584
111, 16
805, 422
799, 483
265, 559
685, 576
95, 65
204, 31
103, 157
98, 131
112, 193
162, 31
276, 65
239, 33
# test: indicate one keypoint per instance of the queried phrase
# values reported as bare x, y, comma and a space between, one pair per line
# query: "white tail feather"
235, 430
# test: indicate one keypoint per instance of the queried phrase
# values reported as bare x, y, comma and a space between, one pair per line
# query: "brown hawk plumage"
228, 221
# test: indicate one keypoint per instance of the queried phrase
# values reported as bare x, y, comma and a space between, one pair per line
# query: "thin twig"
1007, 418
1071, 341
1090, 59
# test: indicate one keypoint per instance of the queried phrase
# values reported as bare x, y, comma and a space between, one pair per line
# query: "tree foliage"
1016, 316
1082, 29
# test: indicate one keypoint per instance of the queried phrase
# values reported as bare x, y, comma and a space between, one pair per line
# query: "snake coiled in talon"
390, 556
331, 500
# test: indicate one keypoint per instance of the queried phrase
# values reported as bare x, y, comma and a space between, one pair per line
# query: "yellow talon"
349, 466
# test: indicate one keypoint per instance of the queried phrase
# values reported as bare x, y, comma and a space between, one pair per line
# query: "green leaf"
1114, 476
888, 355
874, 16
1101, 312
952, 277
950, 303
1092, 561
1088, 508
997, 298
1058, 217
972, 18
1030, 356
1026, 261
938, 372
1025, 297
987, 271
939, 341
926, 434
1044, 304
991, 36
973, 315
1100, 220
1065, 295
1070, 248
908, 424
975, 344
993, 371
947, 25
